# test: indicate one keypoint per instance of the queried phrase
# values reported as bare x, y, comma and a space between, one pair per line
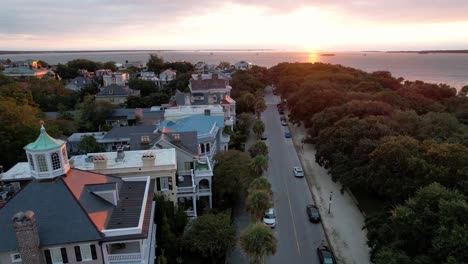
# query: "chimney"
207, 112
139, 113
120, 154
72, 163
148, 159
27, 236
100, 162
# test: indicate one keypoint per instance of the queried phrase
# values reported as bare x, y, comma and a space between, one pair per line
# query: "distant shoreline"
103, 51
432, 51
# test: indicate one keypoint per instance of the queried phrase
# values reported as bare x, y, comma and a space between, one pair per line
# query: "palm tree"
258, 201
260, 184
260, 106
258, 241
259, 164
258, 128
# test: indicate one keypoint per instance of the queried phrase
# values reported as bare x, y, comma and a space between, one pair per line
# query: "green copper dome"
44, 142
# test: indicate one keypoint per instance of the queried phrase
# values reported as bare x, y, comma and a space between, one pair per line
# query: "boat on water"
327, 54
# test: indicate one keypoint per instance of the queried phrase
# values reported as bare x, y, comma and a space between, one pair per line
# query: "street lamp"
329, 205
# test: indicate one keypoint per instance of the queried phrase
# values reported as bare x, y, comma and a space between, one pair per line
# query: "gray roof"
126, 213
78, 83
117, 90
187, 141
59, 217
129, 113
134, 133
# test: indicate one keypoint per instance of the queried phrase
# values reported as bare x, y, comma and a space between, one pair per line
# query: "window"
56, 256
202, 148
188, 165
176, 136
31, 161
208, 147
85, 252
64, 155
15, 257
42, 163
55, 161
164, 181
145, 139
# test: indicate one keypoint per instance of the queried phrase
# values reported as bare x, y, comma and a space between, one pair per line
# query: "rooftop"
21, 171
44, 142
201, 123
75, 137
164, 158
187, 110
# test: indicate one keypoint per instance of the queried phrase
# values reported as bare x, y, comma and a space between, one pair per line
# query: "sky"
311, 25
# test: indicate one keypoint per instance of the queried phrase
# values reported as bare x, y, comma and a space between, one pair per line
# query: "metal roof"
44, 142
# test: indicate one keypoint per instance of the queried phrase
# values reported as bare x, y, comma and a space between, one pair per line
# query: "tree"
246, 103
146, 87
231, 175
258, 128
463, 91
259, 164
155, 63
212, 235
258, 241
88, 144
259, 148
261, 183
244, 122
223, 65
258, 202
260, 106
94, 113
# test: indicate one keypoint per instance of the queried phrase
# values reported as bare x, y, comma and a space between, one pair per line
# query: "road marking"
292, 216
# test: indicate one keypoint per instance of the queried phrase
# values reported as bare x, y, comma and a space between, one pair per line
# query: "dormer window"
55, 161
176, 136
145, 139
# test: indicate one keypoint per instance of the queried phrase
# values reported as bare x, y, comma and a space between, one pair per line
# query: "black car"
313, 213
325, 255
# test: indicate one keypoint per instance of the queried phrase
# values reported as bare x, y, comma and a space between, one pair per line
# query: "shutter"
93, 252
169, 179
47, 256
64, 255
158, 184
77, 253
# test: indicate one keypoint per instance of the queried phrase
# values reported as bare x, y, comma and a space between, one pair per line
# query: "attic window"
176, 136
145, 139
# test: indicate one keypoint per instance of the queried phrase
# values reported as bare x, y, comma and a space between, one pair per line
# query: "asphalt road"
297, 237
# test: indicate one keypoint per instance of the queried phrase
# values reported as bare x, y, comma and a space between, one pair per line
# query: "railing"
124, 257
185, 172
190, 189
190, 213
204, 190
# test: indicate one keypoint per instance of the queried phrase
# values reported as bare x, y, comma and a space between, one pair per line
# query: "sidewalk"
343, 225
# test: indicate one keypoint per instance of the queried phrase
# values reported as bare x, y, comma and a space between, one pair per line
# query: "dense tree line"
393, 139
247, 90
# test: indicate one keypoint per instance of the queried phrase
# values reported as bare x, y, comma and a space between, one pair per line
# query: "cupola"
47, 156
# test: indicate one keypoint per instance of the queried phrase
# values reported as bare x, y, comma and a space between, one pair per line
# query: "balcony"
228, 121
203, 167
128, 252
185, 182
225, 138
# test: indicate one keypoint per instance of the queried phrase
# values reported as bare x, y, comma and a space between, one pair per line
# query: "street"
297, 237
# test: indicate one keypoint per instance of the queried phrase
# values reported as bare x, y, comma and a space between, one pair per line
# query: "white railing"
185, 172
190, 189
204, 190
190, 213
122, 258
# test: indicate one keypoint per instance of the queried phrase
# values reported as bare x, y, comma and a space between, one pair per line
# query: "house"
117, 78
225, 109
74, 139
242, 65
116, 94
102, 72
68, 215
190, 166
150, 76
167, 76
210, 136
129, 138
23, 72
131, 116
78, 83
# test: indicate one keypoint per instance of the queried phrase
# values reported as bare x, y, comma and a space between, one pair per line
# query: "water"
451, 69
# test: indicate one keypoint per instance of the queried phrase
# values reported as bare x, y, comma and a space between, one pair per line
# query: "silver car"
298, 172
269, 219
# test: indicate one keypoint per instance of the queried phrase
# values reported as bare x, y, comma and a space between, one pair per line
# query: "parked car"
264, 136
325, 255
281, 112
313, 213
269, 218
298, 172
287, 134
284, 123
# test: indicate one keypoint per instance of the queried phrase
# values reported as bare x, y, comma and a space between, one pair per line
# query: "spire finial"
42, 125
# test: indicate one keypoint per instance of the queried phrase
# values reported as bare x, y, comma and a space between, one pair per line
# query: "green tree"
5, 79
94, 113
259, 164
88, 144
231, 175
257, 203
258, 241
20, 126
155, 63
463, 91
244, 123
258, 128
212, 235
246, 103
259, 148
260, 106
261, 183
146, 87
